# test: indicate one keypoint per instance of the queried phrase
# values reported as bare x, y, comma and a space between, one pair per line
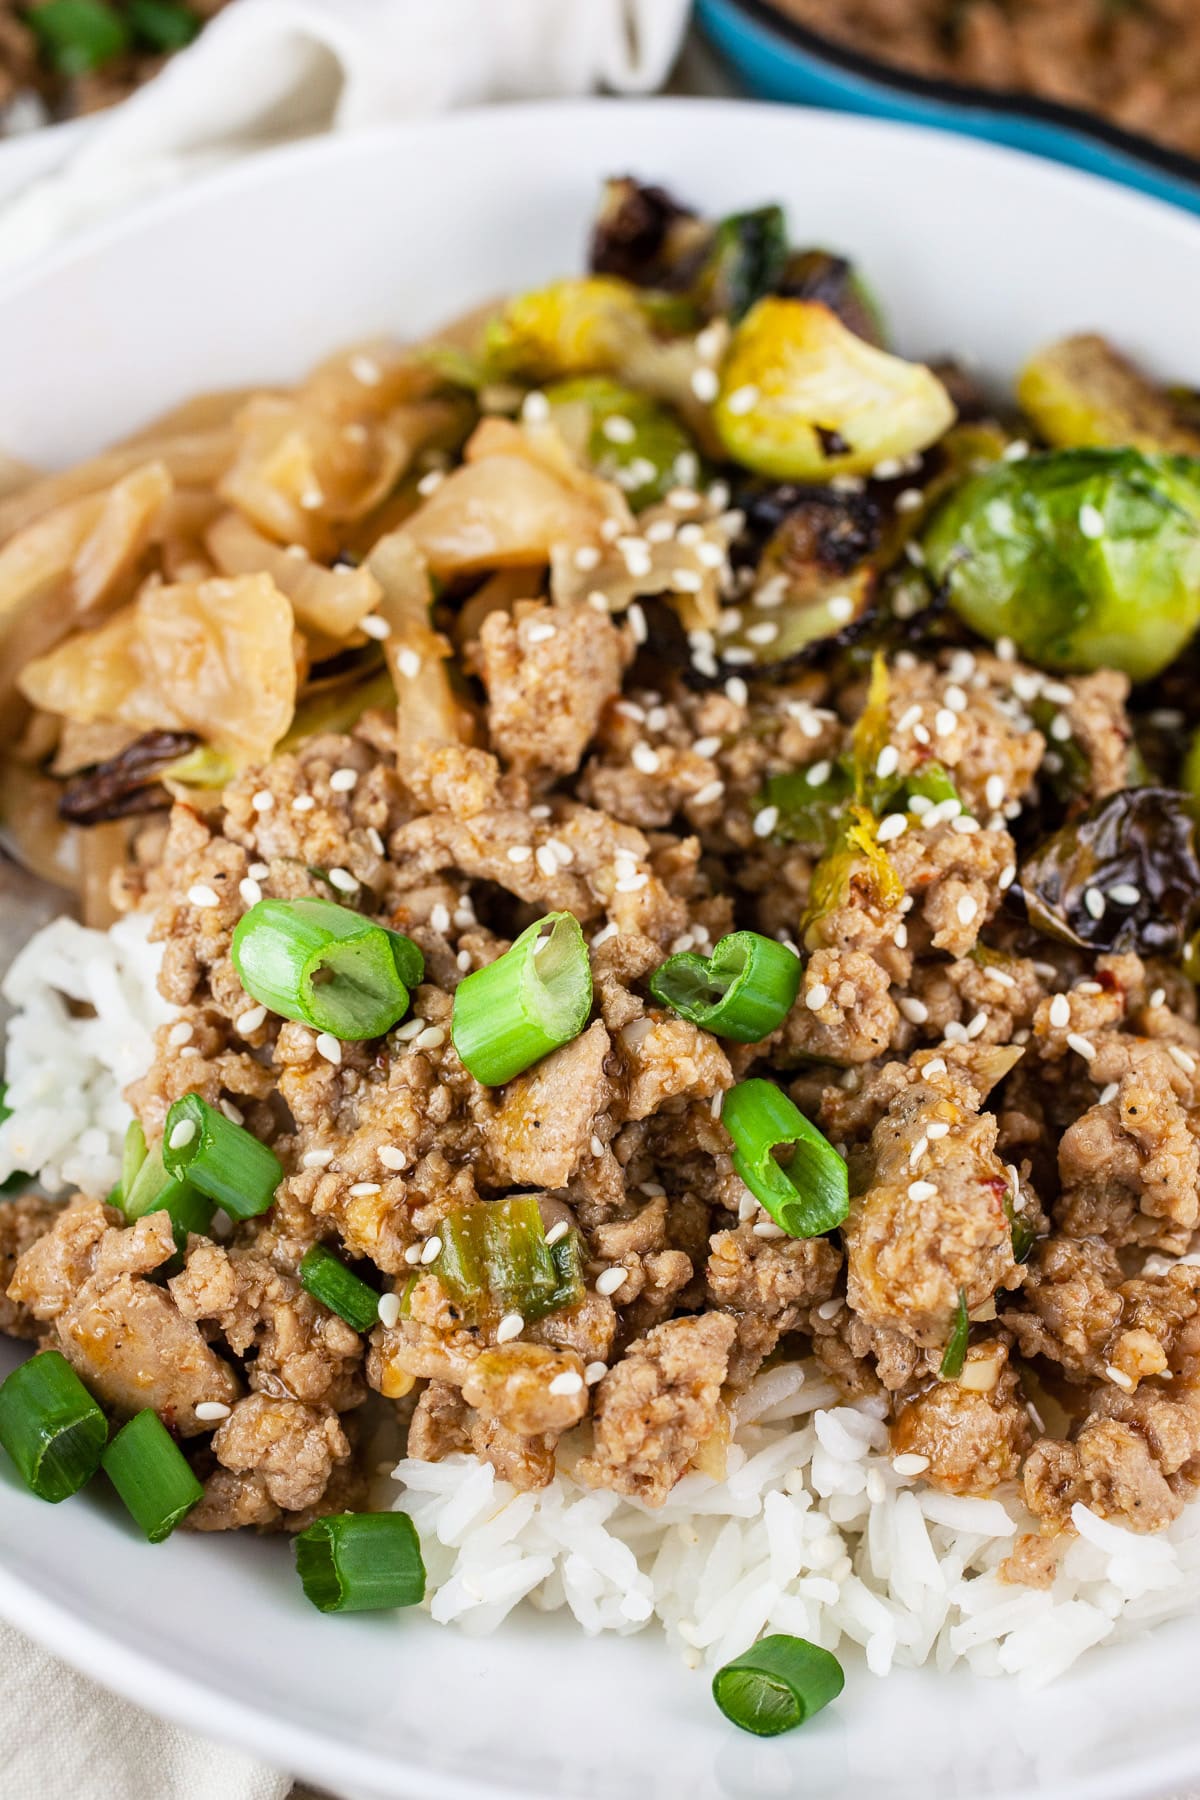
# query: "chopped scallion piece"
361, 1562
51, 1426
223, 1160
809, 1192
777, 1684
154, 1189
77, 36
133, 1156
162, 25
956, 1350
152, 1475
531, 1000
328, 1280
495, 1259
744, 990
326, 966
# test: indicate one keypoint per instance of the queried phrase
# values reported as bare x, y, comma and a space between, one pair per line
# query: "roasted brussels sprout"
127, 784
1086, 559
643, 235
627, 437
802, 398
745, 261
570, 327
820, 275
1082, 391
1124, 875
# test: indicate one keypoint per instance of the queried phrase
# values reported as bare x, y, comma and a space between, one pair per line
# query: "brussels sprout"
802, 398
1086, 559
819, 275
1082, 391
644, 235
572, 327
627, 437
746, 260
125, 785
1132, 860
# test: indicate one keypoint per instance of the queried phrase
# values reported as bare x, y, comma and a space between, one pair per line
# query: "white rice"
813, 1531
66, 1072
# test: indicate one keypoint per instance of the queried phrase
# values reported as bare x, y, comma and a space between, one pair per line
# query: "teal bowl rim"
957, 95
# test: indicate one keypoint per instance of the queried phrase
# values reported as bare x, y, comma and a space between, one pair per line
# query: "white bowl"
250, 277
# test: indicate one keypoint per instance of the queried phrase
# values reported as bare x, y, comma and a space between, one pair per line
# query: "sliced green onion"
808, 811
163, 25
326, 966
155, 1189
956, 1350
361, 1562
328, 1280
51, 1426
152, 1475
77, 36
531, 1000
807, 1194
744, 990
133, 1155
495, 1259
223, 1160
777, 1684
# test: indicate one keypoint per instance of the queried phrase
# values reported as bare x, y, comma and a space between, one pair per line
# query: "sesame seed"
737, 691
1060, 728
964, 825
439, 917
1006, 877
343, 881
249, 890
413, 1253
511, 1326
935, 1066
1118, 1376
182, 1134
202, 895
1109, 1093
317, 1159
1001, 977
618, 430
1124, 893
411, 1028
558, 1231
540, 633
909, 500
840, 608
432, 1038
977, 1024
632, 884
375, 627
637, 623
391, 1157
937, 1128
250, 1020
408, 663
342, 780
1082, 1046
913, 1009
767, 1228
389, 1309
1158, 996
606, 932
303, 803
710, 792
944, 722
816, 996
594, 1372
211, 1410
900, 936
263, 801
598, 602
1093, 900
705, 385
706, 746
716, 1105
519, 853
546, 860
891, 827
329, 1048
911, 1463
818, 773
922, 1190
432, 1250
365, 1187
644, 758
887, 762
611, 1279
955, 699
993, 791
311, 499
1016, 451
966, 909
1060, 1011
1182, 1059
569, 1382
180, 1033
765, 821
921, 733
1091, 520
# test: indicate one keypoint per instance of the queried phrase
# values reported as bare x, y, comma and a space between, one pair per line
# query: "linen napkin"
265, 71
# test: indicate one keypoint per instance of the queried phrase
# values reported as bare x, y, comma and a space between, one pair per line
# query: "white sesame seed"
686, 581
1182, 1059
765, 821
609, 1280
520, 853
909, 500
432, 1038
343, 881
569, 1382
391, 1157
249, 890
1109, 1093
767, 1228
594, 1372
1060, 728
233, 1113
558, 1231
342, 780
921, 733
887, 762
511, 1326
1006, 877
891, 827
586, 557
1124, 893
1091, 520
840, 608
911, 1463
408, 663
263, 801
202, 895
706, 746
303, 803
210, 1410
375, 627
637, 623
645, 759
1060, 1011
317, 1159
1158, 996
1088, 987
632, 884
816, 996
432, 1250
389, 1309
1093, 900
329, 1048
710, 792
413, 1254
358, 1188
1082, 1046
618, 429
913, 1009
937, 1128
540, 633
818, 773
598, 602
922, 1190
966, 909
535, 408
736, 691
944, 722
180, 1033
955, 699
182, 1134
250, 1020
977, 1024
1016, 451
411, 1028
964, 825
993, 791
705, 385
546, 860
1118, 1376
900, 936
935, 1066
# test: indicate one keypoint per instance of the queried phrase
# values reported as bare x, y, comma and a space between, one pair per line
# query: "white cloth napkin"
265, 71
268, 70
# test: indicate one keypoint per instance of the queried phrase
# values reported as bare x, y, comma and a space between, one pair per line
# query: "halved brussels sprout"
836, 283
1086, 559
577, 326
1082, 391
745, 261
644, 235
627, 437
802, 398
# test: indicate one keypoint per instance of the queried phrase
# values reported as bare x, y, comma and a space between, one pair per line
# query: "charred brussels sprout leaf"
1086, 559
819, 275
747, 258
126, 784
627, 437
1141, 841
809, 811
802, 398
643, 235
1082, 391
